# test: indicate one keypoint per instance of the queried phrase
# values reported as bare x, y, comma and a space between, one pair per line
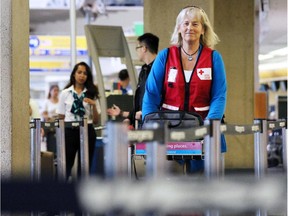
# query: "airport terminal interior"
54, 33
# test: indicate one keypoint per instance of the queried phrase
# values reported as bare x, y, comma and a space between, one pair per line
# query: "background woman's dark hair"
50, 89
92, 90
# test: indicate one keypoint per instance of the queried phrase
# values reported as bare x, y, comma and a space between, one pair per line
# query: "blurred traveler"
49, 114
33, 109
124, 81
147, 48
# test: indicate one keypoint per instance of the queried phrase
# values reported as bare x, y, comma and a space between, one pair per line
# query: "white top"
129, 90
65, 104
35, 109
188, 74
50, 108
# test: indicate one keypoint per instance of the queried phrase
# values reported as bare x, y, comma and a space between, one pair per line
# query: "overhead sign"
56, 46
50, 66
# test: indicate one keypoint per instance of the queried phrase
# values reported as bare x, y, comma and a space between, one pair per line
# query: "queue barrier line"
213, 166
211, 132
278, 124
153, 135
145, 135
55, 124
193, 133
59, 125
259, 131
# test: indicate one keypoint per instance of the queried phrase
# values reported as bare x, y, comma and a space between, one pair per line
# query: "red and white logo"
204, 73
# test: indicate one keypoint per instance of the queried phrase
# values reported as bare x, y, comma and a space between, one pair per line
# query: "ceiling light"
274, 53
272, 66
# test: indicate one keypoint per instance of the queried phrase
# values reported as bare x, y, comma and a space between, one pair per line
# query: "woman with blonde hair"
189, 75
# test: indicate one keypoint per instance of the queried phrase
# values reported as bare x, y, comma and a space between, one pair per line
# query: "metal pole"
116, 150
260, 150
212, 162
156, 162
88, 14
36, 151
156, 158
260, 155
284, 153
207, 152
151, 159
212, 143
84, 145
73, 32
284, 147
61, 151
129, 162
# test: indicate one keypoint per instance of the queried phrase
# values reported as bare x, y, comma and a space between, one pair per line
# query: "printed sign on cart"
175, 148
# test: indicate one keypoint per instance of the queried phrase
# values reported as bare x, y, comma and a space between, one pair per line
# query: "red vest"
193, 96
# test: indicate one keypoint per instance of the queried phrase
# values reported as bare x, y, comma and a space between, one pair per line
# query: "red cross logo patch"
204, 73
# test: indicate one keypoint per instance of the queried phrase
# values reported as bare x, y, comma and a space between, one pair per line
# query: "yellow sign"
55, 45
49, 66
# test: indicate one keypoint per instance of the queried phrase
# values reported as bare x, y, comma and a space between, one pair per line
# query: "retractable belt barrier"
165, 195
157, 137
154, 135
210, 131
59, 125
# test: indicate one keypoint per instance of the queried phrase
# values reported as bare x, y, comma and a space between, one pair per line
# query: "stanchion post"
61, 150
260, 155
36, 150
84, 156
116, 150
260, 149
284, 152
213, 162
212, 145
284, 147
129, 162
156, 162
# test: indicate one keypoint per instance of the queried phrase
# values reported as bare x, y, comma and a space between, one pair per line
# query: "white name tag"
204, 73
172, 74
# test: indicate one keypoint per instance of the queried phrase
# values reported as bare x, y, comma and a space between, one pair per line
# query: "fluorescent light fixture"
265, 57
274, 53
272, 66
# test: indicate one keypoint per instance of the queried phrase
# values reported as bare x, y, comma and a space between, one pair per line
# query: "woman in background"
78, 99
49, 114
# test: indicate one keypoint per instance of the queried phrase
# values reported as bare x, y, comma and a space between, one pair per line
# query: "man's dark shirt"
140, 90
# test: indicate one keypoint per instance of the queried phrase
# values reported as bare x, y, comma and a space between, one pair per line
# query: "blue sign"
34, 42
